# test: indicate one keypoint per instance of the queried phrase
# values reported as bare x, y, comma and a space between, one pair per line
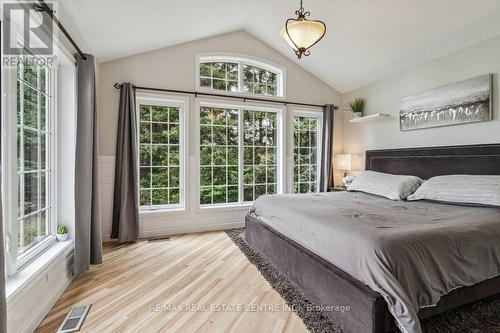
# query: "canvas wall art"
458, 103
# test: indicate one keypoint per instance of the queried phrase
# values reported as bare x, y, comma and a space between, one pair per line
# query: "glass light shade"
344, 162
304, 33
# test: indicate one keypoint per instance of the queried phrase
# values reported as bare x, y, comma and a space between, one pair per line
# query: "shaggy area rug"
478, 317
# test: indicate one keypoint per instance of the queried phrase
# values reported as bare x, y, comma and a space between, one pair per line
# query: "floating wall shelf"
371, 117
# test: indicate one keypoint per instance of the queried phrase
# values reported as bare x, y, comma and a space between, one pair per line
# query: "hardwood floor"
137, 286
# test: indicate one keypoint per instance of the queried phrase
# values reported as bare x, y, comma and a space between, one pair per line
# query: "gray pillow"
394, 187
475, 190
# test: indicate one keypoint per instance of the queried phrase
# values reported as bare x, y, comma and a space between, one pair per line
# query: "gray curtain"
88, 244
327, 147
126, 196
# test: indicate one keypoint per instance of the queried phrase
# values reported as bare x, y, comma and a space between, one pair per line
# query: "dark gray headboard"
428, 162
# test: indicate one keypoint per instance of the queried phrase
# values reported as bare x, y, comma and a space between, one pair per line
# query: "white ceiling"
366, 40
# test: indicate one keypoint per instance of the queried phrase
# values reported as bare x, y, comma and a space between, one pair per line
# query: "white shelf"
371, 117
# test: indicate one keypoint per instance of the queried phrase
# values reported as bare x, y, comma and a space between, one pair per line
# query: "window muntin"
33, 150
259, 81
260, 154
240, 75
160, 155
219, 151
305, 153
219, 76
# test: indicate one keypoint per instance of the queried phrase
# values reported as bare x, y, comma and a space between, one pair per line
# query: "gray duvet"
412, 253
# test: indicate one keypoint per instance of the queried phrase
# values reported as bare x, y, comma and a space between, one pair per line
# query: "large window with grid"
306, 152
260, 154
34, 149
236, 74
238, 154
160, 150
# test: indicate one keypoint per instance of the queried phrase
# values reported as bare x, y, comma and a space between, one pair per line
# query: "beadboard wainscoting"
38, 287
162, 223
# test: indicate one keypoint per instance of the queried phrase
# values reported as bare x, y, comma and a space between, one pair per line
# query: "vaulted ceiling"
366, 40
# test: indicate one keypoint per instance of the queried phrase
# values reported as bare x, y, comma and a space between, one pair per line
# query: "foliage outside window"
305, 154
240, 75
219, 76
260, 154
221, 148
159, 150
219, 163
259, 81
33, 149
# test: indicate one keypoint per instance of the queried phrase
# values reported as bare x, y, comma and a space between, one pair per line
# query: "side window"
306, 153
33, 155
160, 151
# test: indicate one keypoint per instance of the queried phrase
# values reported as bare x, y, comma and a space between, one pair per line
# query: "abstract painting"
458, 103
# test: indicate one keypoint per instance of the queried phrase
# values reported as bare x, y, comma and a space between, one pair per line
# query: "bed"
321, 268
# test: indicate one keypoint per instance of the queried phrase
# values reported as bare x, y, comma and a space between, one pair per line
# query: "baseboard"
168, 231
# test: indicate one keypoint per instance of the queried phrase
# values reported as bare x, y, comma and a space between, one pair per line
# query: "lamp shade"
344, 162
304, 33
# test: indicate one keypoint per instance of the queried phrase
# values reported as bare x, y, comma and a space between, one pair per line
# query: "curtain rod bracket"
117, 85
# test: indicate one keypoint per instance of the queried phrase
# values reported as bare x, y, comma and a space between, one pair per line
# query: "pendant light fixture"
301, 34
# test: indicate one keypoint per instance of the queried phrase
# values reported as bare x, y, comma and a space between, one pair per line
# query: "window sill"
173, 211
15, 283
217, 208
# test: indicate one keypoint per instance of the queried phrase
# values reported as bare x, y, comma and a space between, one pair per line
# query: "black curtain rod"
196, 94
43, 7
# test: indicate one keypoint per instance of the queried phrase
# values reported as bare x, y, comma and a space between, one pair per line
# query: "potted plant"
62, 233
356, 106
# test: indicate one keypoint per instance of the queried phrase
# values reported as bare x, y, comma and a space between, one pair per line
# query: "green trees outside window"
159, 150
223, 155
260, 154
32, 154
305, 154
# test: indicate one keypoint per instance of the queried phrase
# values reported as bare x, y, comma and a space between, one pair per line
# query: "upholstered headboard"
428, 162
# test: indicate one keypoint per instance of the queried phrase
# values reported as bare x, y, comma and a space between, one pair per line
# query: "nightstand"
336, 189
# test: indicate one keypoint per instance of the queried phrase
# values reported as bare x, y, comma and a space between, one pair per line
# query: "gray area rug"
478, 317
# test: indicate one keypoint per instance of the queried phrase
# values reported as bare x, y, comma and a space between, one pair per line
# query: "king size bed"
389, 262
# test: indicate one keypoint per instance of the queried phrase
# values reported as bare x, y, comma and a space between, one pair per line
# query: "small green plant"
62, 229
356, 105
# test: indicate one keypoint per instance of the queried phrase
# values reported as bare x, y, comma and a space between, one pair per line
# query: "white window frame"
241, 60
183, 105
310, 113
280, 160
9, 170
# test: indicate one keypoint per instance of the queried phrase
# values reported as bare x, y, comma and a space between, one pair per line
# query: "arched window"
239, 75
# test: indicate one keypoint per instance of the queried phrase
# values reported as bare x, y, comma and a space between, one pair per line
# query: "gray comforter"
412, 253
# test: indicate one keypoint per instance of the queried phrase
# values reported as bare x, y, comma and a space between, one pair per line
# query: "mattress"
412, 253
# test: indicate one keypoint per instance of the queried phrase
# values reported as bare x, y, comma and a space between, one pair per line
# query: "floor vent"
74, 319
158, 239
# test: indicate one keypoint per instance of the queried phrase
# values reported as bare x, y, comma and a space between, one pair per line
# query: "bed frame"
324, 284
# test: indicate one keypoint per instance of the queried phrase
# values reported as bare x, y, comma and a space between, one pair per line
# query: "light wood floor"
200, 270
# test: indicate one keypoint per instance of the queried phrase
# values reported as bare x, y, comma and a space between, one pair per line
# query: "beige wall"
384, 97
174, 68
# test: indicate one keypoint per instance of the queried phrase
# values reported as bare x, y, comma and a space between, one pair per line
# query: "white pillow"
476, 190
394, 187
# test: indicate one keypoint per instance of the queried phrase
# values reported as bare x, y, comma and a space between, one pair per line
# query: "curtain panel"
88, 243
126, 192
327, 146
